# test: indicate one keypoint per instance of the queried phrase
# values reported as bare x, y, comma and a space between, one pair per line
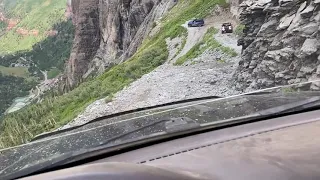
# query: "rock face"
108, 32
280, 44
234, 7
87, 39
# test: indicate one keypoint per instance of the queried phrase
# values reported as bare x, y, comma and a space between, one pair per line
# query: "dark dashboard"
279, 148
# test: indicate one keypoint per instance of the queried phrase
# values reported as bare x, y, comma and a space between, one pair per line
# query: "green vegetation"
14, 71
39, 51
47, 54
239, 30
53, 112
108, 98
54, 72
38, 15
208, 42
13, 87
222, 61
289, 89
229, 51
3, 26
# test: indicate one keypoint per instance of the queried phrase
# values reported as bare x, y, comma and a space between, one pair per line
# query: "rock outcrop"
108, 32
235, 9
86, 42
281, 43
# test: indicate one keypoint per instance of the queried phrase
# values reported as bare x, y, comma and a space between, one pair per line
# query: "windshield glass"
76, 75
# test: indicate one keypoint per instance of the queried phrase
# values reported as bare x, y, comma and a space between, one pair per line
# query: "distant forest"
11, 87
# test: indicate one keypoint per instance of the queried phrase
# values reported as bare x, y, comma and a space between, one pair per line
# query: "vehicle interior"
160, 89
284, 147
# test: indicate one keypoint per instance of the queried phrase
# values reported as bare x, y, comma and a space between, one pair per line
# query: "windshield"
76, 75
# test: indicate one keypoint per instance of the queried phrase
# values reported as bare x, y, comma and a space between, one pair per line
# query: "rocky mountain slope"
281, 43
208, 74
57, 110
108, 32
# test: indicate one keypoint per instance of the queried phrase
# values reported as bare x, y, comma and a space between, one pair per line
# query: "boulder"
278, 55
285, 21
314, 85
307, 70
308, 29
308, 11
316, 18
302, 6
309, 46
295, 22
268, 27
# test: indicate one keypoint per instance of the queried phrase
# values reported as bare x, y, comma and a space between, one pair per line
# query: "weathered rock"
307, 70
316, 18
293, 52
108, 32
285, 21
302, 6
308, 11
268, 28
281, 2
278, 55
86, 41
315, 85
309, 46
309, 29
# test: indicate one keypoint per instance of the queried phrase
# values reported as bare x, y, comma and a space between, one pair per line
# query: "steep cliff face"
108, 32
87, 39
280, 45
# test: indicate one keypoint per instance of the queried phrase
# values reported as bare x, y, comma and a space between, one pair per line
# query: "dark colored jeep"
226, 28
196, 23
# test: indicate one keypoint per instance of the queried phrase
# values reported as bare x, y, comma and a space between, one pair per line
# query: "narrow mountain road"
168, 83
195, 34
45, 75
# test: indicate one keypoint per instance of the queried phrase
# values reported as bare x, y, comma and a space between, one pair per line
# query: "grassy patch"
53, 112
289, 90
208, 42
108, 99
229, 51
222, 61
239, 30
14, 71
54, 72
40, 15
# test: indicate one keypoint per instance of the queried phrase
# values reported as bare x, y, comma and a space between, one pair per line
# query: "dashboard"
280, 148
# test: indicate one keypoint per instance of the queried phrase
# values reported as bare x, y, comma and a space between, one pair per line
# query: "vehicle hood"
201, 112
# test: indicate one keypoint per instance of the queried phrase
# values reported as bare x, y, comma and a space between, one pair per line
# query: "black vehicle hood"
93, 134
